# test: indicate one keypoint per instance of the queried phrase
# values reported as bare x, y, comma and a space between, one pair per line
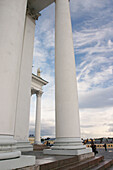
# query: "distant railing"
101, 146
51, 142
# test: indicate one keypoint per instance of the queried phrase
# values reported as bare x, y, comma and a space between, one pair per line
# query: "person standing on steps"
105, 147
93, 146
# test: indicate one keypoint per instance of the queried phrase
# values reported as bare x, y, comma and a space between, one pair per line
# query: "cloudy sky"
92, 25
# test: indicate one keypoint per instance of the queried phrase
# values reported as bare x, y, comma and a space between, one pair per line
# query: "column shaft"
12, 19
24, 94
66, 99
38, 118
68, 140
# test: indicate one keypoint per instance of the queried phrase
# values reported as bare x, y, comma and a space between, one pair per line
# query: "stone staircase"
95, 163
40, 147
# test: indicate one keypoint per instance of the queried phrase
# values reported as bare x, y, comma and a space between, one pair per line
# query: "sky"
92, 26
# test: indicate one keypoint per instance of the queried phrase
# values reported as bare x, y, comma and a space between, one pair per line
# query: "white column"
24, 94
67, 112
12, 19
38, 118
68, 141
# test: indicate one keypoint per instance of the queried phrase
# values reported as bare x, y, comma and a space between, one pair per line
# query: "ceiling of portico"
38, 5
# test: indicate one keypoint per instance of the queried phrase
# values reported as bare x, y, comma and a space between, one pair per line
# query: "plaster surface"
8, 148
38, 118
24, 146
21, 162
12, 20
66, 97
37, 83
36, 88
24, 93
67, 151
68, 140
39, 5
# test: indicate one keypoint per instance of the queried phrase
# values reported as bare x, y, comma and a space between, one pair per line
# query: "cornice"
32, 12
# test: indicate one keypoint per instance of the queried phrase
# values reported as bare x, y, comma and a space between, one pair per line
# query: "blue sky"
92, 25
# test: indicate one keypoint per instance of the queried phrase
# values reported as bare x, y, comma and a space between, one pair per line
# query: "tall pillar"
38, 117
66, 99
12, 19
68, 139
24, 93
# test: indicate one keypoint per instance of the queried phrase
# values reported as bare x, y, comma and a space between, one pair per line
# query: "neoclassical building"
22, 126
36, 88
17, 28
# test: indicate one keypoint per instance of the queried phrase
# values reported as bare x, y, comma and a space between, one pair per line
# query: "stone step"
40, 147
110, 168
105, 164
71, 163
83, 165
58, 163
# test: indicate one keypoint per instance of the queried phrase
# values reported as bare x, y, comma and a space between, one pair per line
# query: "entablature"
35, 6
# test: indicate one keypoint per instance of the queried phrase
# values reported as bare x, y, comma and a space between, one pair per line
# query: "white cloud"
96, 98
94, 48
100, 119
94, 40
87, 5
47, 128
93, 44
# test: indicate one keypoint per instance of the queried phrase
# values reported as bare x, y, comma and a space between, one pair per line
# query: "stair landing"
81, 162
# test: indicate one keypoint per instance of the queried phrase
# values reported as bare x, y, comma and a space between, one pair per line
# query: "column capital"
32, 91
39, 93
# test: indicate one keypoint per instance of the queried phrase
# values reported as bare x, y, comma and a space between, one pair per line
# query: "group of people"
93, 146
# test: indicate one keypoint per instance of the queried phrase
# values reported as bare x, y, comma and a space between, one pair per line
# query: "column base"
8, 148
37, 147
67, 152
68, 146
10, 157
24, 146
21, 162
37, 143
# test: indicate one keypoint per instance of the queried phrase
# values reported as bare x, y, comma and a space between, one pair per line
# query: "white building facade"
36, 89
